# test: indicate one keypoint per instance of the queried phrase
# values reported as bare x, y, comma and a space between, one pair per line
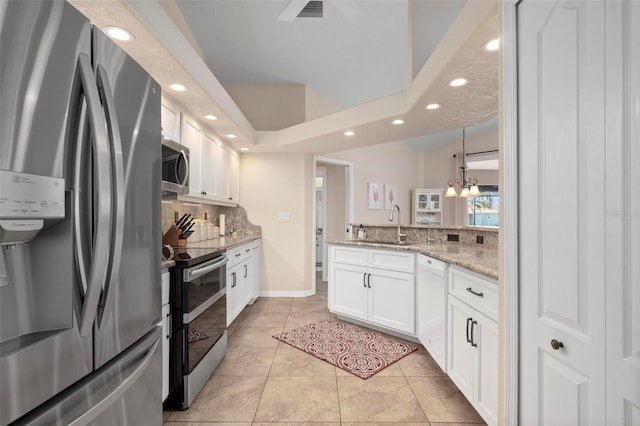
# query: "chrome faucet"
430, 238
401, 237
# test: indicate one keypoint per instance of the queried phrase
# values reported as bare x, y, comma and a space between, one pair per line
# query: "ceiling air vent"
313, 9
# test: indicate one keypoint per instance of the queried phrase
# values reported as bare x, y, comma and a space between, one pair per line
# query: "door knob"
555, 344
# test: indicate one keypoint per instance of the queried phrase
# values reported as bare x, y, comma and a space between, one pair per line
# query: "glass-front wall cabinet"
426, 206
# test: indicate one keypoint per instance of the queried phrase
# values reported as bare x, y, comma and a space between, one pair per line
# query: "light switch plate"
284, 217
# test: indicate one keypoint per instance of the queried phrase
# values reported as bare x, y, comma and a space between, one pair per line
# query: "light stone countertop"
474, 258
226, 242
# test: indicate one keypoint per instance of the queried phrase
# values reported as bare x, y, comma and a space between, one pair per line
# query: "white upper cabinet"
234, 177
170, 120
214, 168
426, 206
222, 172
209, 164
191, 138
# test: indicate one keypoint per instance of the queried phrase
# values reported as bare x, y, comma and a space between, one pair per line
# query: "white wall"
393, 163
279, 183
439, 167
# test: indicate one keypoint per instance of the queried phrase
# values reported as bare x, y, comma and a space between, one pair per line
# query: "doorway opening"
333, 207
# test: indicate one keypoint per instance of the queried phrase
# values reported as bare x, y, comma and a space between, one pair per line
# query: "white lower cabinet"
379, 296
240, 270
166, 333
473, 342
256, 259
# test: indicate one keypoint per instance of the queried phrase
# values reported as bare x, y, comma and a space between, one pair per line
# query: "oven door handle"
193, 273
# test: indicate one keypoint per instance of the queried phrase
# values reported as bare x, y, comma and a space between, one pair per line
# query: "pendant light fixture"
468, 186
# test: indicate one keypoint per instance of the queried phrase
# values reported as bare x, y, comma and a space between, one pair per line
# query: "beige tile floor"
263, 381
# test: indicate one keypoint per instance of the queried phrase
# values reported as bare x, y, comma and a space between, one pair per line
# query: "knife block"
171, 237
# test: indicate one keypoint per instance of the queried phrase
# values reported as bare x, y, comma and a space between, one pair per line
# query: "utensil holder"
171, 237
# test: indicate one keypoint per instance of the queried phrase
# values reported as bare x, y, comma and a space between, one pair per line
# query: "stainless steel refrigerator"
80, 284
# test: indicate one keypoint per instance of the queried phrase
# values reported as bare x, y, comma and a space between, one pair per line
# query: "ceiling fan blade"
292, 10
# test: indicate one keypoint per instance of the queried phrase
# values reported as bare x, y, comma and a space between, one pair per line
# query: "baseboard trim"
305, 293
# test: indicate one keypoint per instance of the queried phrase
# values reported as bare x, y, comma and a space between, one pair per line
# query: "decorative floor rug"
355, 349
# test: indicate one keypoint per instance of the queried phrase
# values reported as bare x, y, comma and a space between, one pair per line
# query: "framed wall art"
390, 195
375, 194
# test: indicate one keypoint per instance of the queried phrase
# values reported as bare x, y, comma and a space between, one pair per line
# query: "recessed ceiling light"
492, 45
349, 133
398, 122
119, 34
433, 106
178, 87
231, 136
458, 82
244, 149
211, 117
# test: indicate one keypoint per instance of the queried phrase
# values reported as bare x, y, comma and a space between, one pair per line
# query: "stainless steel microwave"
175, 167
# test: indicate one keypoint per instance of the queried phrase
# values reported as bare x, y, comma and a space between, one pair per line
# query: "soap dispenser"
361, 233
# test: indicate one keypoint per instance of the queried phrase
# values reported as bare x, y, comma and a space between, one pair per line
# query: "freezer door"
41, 350
124, 392
131, 299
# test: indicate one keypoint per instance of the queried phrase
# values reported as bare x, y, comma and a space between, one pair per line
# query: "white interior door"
561, 120
622, 201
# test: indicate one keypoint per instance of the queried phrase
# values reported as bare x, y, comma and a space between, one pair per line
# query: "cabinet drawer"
238, 254
350, 255
480, 293
392, 260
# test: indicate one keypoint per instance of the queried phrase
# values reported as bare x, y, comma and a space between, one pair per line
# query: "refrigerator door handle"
124, 386
117, 187
100, 252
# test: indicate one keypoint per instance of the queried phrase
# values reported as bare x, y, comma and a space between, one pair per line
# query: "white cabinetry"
166, 334
208, 163
222, 171
170, 120
377, 286
426, 206
233, 193
432, 307
256, 250
473, 340
191, 138
228, 174
214, 168
239, 280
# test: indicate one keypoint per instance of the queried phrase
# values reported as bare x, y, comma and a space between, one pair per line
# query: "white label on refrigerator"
23, 195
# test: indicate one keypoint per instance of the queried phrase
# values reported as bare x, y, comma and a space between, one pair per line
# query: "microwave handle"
182, 182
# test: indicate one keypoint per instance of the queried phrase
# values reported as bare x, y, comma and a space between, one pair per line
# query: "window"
483, 209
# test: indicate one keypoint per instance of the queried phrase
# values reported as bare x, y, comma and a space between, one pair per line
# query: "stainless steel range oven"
199, 312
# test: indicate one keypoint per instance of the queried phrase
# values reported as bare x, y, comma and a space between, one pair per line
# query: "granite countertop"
474, 258
226, 242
